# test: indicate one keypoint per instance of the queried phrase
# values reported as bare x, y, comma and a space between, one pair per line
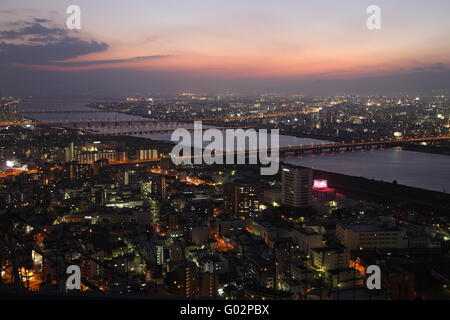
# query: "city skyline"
163, 46
211, 158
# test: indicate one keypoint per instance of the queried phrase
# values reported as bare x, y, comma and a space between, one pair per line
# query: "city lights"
211, 158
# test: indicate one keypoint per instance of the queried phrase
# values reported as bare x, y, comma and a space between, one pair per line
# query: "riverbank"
411, 198
310, 136
443, 149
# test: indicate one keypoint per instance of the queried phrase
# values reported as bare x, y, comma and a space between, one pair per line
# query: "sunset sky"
234, 40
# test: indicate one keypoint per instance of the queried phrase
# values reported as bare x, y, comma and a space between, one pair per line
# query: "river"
416, 169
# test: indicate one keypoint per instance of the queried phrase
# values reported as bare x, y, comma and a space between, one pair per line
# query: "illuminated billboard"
320, 184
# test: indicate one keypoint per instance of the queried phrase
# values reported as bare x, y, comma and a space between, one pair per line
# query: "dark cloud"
111, 61
42, 20
44, 39
35, 29
43, 44
435, 67
47, 53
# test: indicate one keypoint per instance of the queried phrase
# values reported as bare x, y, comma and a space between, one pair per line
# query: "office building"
241, 199
296, 186
367, 236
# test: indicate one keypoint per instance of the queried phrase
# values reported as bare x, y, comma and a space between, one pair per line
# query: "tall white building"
362, 237
296, 185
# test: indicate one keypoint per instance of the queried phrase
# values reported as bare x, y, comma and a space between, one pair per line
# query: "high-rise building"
296, 186
183, 281
124, 177
209, 283
144, 154
9, 111
166, 163
240, 199
101, 196
98, 165
69, 152
158, 185
157, 255
77, 171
